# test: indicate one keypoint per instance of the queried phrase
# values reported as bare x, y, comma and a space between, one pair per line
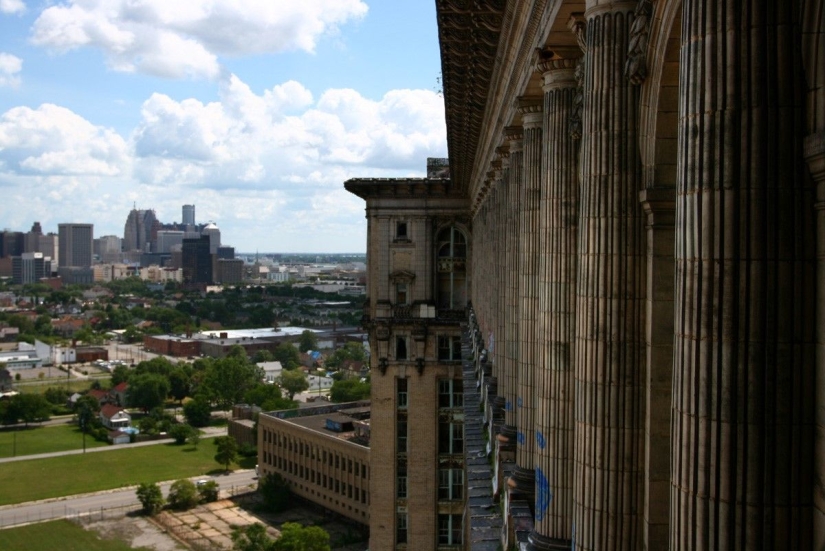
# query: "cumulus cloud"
10, 66
179, 39
260, 164
281, 138
54, 141
12, 6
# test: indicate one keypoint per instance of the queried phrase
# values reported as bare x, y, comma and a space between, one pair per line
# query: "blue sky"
256, 111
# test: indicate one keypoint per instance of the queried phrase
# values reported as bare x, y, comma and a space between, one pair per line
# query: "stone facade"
642, 184
321, 454
418, 256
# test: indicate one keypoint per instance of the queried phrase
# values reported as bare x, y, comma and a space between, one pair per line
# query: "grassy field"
73, 385
46, 439
59, 534
91, 472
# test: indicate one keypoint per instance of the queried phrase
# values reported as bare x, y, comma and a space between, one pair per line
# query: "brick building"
323, 453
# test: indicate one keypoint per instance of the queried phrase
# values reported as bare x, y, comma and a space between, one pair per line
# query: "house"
101, 396
114, 417
118, 393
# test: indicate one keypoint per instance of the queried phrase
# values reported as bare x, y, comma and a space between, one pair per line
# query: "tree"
208, 491
181, 433
150, 497
293, 382
307, 341
86, 409
147, 390
287, 355
180, 382
197, 411
29, 408
120, 374
350, 351
194, 438
183, 495
262, 356
227, 450
252, 538
295, 537
227, 380
56, 395
349, 390
274, 492
268, 398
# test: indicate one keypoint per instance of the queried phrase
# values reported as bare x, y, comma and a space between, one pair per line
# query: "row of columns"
655, 347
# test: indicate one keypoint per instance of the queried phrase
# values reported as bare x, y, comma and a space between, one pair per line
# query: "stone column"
813, 56
508, 382
501, 264
744, 354
558, 232
523, 479
609, 356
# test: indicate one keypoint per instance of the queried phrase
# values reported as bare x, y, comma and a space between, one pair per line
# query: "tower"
418, 252
75, 242
188, 215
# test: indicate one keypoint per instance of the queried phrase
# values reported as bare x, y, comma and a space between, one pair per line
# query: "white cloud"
12, 6
10, 65
185, 37
266, 166
54, 141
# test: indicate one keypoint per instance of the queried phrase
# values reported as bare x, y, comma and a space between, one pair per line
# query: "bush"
247, 450
275, 492
180, 433
209, 491
183, 495
150, 497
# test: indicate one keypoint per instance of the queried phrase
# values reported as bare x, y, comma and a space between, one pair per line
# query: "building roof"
121, 387
110, 410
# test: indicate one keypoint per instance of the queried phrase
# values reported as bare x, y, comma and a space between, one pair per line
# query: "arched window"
451, 264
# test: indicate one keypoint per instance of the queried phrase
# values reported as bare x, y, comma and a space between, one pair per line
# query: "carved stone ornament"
578, 103
402, 276
635, 68
578, 26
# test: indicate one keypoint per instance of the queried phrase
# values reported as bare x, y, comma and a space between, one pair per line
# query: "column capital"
659, 205
530, 108
578, 26
598, 7
514, 135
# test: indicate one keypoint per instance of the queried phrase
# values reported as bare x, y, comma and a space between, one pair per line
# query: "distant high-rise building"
11, 243
48, 245
226, 253
214, 233
188, 215
197, 261
31, 240
75, 244
108, 248
29, 268
167, 239
137, 232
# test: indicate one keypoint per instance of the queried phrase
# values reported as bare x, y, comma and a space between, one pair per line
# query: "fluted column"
508, 383
813, 56
558, 230
523, 479
744, 355
610, 321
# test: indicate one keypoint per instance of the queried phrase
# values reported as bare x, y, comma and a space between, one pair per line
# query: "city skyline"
259, 133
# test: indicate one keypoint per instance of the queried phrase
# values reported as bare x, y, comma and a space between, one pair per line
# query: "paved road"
84, 504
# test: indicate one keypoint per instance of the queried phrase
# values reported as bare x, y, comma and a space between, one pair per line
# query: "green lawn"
58, 534
46, 439
75, 474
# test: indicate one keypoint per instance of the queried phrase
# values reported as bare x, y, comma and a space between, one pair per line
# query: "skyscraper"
188, 215
76, 245
75, 242
137, 232
197, 261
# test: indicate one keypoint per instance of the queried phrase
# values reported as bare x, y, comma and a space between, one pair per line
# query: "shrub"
180, 433
150, 497
183, 495
274, 491
209, 491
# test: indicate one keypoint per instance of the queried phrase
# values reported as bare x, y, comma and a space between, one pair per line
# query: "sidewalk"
208, 432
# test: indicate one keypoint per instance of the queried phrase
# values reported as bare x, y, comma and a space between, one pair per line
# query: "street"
40, 511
